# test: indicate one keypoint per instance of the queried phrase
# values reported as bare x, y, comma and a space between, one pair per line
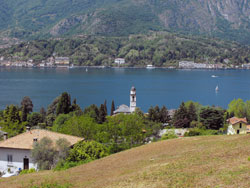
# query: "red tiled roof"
235, 120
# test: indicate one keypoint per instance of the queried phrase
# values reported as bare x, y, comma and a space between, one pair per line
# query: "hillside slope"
209, 161
228, 19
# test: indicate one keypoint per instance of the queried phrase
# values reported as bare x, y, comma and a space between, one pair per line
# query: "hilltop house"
237, 126
15, 152
124, 108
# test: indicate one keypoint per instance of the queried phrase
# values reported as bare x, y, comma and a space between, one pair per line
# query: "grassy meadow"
204, 161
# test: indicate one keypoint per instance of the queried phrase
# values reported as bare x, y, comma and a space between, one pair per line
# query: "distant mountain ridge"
227, 19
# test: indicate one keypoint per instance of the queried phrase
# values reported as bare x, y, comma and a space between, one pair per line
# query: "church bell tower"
132, 99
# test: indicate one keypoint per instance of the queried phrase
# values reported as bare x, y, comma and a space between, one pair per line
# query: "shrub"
32, 170
87, 150
64, 165
201, 132
169, 135
248, 158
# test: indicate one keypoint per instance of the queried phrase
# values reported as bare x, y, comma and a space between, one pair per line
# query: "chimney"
27, 129
5, 136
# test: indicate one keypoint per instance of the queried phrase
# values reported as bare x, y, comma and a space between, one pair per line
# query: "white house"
237, 126
124, 108
119, 61
15, 152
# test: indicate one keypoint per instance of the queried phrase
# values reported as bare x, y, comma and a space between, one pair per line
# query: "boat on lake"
217, 88
150, 67
214, 76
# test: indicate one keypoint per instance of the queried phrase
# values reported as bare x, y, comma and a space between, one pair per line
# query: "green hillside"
159, 48
206, 161
33, 19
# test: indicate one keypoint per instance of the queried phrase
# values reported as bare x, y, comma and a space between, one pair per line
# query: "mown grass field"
206, 161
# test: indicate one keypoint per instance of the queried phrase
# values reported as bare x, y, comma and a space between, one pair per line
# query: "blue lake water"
157, 86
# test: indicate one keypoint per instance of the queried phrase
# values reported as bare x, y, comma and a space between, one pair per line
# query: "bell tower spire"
132, 99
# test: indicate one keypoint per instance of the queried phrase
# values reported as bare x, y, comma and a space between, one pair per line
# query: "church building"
124, 108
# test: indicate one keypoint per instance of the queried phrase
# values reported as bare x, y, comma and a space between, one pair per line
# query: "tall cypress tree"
105, 107
27, 107
112, 108
64, 104
102, 114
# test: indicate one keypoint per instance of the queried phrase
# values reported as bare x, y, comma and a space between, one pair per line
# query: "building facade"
237, 126
15, 152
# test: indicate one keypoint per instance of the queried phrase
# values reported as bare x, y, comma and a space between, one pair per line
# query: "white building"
15, 153
124, 108
119, 61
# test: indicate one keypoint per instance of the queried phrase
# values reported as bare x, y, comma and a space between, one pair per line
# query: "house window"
240, 125
9, 158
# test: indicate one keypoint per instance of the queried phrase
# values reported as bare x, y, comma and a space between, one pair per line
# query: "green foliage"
82, 126
12, 123
44, 154
170, 134
237, 108
87, 150
64, 104
27, 107
112, 108
158, 115
64, 165
201, 132
34, 119
181, 117
32, 170
163, 49
212, 118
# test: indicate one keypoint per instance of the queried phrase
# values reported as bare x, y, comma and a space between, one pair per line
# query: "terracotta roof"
235, 120
26, 140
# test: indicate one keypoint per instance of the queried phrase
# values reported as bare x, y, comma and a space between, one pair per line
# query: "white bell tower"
132, 99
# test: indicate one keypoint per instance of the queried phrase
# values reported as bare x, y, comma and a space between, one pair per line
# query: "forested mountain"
32, 19
161, 49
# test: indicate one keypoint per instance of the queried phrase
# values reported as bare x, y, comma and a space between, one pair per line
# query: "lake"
154, 87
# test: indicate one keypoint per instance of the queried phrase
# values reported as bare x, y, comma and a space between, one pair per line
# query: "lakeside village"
66, 136
64, 62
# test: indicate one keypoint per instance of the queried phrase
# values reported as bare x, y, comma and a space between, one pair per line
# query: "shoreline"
107, 67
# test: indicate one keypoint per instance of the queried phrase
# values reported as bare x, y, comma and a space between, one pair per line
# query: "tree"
87, 150
102, 114
212, 118
112, 108
237, 107
44, 154
63, 148
43, 114
164, 115
105, 107
76, 108
53, 106
27, 107
192, 113
181, 117
92, 111
34, 118
64, 104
